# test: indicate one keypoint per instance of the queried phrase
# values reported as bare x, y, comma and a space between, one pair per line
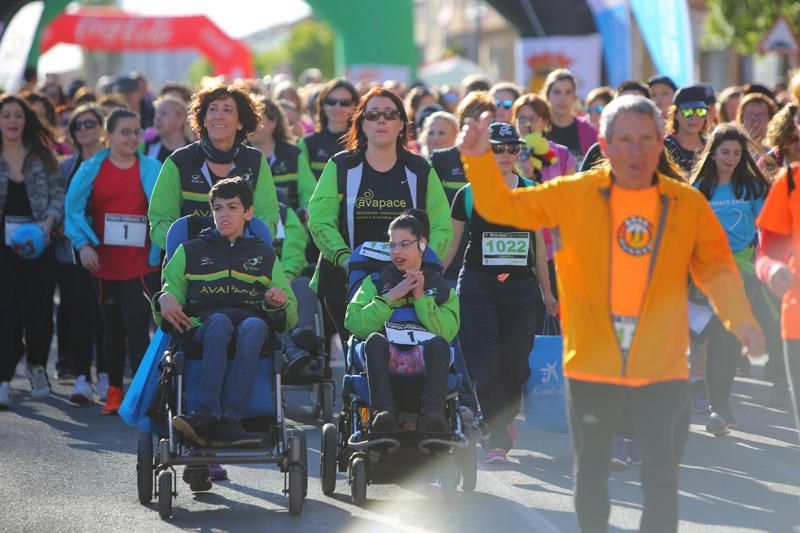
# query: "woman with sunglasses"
31, 191
498, 292
334, 104
106, 220
597, 99
686, 122
78, 314
504, 94
364, 188
290, 168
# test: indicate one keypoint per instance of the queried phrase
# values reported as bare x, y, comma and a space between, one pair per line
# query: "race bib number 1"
624, 328
125, 230
506, 249
411, 334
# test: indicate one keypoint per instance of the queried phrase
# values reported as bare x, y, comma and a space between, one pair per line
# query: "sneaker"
717, 425
113, 400
619, 457
384, 422
81, 392
296, 360
195, 427
726, 413
512, 434
198, 478
229, 433
5, 395
496, 456
40, 386
633, 453
218, 473
101, 386
305, 339
700, 403
432, 420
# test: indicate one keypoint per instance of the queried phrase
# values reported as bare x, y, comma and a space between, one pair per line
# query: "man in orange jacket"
627, 239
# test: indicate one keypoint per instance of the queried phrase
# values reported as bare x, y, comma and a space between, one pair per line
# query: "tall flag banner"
667, 33
613, 21
16, 43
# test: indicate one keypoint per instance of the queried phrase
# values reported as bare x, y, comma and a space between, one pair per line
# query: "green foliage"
308, 44
198, 69
742, 24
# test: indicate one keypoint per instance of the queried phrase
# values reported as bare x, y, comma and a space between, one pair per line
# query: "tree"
308, 44
742, 24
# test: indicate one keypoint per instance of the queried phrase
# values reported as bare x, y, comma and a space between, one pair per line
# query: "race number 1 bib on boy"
125, 230
506, 249
376, 250
624, 328
12, 223
411, 334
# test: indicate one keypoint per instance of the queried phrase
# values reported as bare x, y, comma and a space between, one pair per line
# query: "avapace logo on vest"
251, 264
368, 201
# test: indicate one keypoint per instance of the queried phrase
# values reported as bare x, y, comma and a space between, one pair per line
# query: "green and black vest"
197, 179
447, 164
322, 145
222, 275
284, 171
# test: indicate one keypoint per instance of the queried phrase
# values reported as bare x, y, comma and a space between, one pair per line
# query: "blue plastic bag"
545, 402
143, 387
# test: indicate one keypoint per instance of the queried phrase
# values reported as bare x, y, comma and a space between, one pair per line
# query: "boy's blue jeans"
224, 394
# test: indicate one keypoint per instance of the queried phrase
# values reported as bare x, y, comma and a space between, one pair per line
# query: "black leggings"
724, 352
79, 331
26, 303
125, 308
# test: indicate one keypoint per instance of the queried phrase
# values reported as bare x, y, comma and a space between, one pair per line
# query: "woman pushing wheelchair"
405, 316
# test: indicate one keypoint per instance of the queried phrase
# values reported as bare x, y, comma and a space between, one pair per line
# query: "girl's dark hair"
246, 107
116, 116
94, 109
332, 85
748, 182
33, 97
414, 220
356, 139
274, 112
35, 136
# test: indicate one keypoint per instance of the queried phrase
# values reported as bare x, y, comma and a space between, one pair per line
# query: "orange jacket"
689, 238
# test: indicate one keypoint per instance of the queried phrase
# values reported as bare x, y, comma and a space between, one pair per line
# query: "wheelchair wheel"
301, 439
469, 462
316, 395
448, 479
358, 480
327, 402
144, 467
327, 460
296, 475
165, 495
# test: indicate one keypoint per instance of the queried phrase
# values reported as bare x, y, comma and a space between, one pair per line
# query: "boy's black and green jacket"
210, 274
185, 180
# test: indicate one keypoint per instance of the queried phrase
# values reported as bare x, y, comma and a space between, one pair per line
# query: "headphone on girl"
422, 246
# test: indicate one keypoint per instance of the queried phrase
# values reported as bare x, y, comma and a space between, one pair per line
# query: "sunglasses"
88, 124
342, 103
373, 115
512, 149
128, 132
689, 111
506, 104
596, 109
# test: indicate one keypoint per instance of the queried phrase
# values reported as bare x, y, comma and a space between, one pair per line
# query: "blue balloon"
28, 241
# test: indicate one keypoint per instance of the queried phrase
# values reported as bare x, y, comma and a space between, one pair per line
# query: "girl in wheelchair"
405, 316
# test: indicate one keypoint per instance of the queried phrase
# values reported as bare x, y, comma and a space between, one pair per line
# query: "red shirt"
118, 191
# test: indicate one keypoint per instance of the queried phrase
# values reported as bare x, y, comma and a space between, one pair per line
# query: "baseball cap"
503, 133
666, 80
691, 96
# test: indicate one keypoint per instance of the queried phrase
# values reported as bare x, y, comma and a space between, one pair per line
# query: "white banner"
16, 45
581, 54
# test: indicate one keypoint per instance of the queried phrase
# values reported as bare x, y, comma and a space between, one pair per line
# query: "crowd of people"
328, 166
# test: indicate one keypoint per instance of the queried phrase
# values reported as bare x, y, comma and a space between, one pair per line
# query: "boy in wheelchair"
225, 282
408, 317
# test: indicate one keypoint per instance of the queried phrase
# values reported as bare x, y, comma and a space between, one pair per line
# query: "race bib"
12, 223
376, 250
506, 249
125, 230
624, 328
410, 334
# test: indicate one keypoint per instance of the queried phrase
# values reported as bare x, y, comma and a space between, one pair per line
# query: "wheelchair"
169, 386
369, 457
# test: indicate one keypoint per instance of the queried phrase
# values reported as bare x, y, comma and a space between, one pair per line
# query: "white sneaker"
5, 395
40, 387
81, 391
101, 386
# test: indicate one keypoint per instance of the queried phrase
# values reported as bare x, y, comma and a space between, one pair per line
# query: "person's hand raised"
474, 137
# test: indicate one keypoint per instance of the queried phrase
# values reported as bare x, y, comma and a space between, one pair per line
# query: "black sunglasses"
373, 115
342, 103
88, 124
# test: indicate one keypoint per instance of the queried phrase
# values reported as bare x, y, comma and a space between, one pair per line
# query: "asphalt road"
66, 468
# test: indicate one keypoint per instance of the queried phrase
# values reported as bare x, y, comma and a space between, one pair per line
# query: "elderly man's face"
633, 148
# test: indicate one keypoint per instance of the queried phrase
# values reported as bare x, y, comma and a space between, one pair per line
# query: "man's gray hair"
629, 103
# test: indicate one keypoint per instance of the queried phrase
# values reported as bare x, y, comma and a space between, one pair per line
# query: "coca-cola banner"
120, 32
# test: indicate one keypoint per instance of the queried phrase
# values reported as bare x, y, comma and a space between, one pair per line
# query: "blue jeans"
226, 394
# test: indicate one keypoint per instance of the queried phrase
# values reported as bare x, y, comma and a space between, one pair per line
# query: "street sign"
780, 39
